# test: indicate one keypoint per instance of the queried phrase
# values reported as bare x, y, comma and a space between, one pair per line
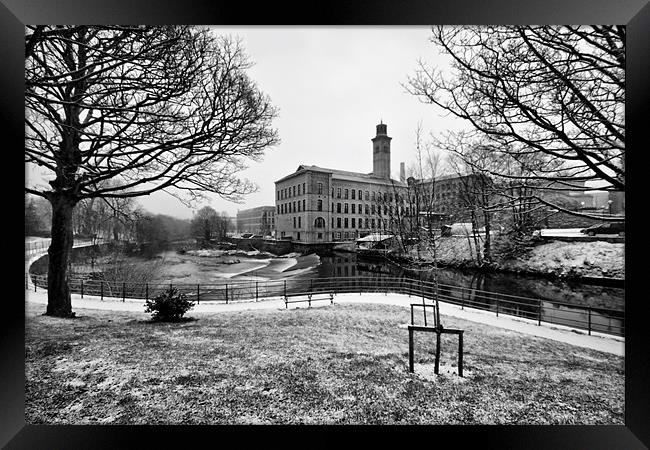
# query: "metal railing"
591, 319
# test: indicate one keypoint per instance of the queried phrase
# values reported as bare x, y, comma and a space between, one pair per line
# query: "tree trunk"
59, 303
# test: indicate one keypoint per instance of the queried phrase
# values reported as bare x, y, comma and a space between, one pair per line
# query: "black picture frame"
14, 14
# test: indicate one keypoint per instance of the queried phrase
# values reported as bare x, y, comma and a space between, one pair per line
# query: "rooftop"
343, 175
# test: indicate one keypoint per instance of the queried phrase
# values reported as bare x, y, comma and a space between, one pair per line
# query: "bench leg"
436, 367
411, 351
460, 355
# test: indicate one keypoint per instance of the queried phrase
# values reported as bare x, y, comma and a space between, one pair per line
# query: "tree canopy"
547, 100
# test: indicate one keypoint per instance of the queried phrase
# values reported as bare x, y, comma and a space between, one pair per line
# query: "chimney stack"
402, 172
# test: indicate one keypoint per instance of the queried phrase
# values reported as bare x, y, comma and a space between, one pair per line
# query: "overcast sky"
332, 86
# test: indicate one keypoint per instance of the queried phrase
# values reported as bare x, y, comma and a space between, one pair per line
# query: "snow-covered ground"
600, 342
589, 259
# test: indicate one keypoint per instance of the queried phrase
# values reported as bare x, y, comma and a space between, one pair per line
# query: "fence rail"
603, 320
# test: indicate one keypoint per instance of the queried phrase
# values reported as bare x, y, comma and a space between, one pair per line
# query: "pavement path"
601, 342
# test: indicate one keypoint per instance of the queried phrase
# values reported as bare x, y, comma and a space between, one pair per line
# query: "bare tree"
209, 224
161, 108
548, 99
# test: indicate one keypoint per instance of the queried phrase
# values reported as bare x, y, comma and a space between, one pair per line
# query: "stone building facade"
318, 205
260, 220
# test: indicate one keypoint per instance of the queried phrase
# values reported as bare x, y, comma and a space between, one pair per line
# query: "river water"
558, 299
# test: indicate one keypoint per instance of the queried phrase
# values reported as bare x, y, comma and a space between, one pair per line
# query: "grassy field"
339, 364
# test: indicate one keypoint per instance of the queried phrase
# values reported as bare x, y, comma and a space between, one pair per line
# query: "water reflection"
532, 297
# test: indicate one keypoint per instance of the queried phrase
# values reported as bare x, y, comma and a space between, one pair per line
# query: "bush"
168, 306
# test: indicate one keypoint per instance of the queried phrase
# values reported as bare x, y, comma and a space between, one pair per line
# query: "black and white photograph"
325, 225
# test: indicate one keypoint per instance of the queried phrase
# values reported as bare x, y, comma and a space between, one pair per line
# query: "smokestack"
402, 172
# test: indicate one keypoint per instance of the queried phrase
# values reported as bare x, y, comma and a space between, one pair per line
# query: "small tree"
168, 306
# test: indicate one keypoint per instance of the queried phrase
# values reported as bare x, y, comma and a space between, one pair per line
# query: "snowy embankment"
597, 259
581, 259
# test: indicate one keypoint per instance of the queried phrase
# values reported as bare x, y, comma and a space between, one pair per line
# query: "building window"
320, 205
278, 209
345, 194
367, 209
338, 222
373, 209
298, 237
294, 206
299, 224
338, 192
298, 206
354, 194
294, 191
319, 222
360, 222
385, 209
373, 196
345, 236
320, 235
345, 222
278, 196
320, 188
294, 222
298, 189
304, 191
372, 224
346, 208
338, 236
367, 194
367, 223
338, 208
360, 208
332, 222
353, 220
353, 207
332, 192
303, 204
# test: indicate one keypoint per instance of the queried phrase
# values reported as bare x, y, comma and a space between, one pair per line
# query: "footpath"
601, 342
596, 341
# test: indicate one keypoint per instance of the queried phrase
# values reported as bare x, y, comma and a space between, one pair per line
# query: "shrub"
168, 306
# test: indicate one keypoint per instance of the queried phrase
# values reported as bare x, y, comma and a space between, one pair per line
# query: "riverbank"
597, 262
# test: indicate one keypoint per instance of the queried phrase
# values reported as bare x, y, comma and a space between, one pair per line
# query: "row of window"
291, 191
355, 194
289, 207
345, 222
342, 222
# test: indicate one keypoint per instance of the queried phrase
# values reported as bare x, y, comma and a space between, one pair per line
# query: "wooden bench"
434, 326
311, 297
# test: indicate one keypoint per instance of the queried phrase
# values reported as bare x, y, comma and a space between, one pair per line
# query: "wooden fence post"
226, 293
198, 287
497, 307
101, 290
256, 290
589, 324
123, 291
146, 291
82, 288
539, 313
